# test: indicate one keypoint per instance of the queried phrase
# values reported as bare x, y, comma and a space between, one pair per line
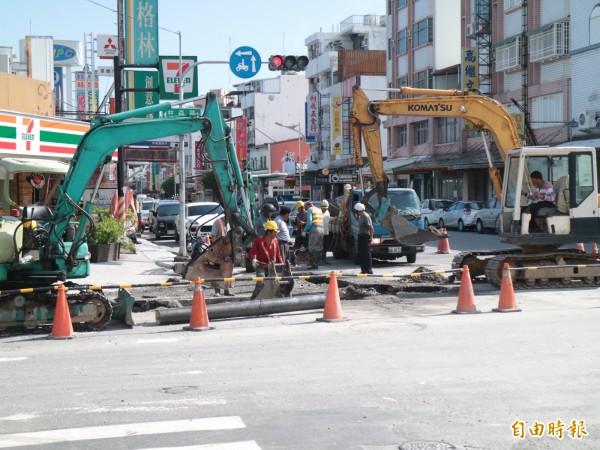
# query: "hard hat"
299, 204
268, 208
359, 207
271, 225
324, 204
308, 203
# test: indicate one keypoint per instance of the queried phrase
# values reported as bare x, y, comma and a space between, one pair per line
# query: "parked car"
203, 230
162, 218
488, 218
199, 216
431, 209
145, 205
460, 215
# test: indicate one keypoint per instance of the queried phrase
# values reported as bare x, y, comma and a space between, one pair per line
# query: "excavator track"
490, 263
548, 273
477, 261
31, 312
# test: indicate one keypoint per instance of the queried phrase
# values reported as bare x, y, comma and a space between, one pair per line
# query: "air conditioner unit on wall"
587, 119
470, 29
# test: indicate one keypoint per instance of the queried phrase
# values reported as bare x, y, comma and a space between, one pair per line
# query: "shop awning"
394, 163
582, 143
34, 165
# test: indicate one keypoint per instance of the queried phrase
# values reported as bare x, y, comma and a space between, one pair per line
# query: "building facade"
355, 54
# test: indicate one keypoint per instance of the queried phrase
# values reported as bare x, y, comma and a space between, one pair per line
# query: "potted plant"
104, 235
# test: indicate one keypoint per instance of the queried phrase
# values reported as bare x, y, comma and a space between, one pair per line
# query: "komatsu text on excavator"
573, 171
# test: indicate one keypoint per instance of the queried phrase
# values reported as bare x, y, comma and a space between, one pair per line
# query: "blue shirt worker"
314, 230
365, 237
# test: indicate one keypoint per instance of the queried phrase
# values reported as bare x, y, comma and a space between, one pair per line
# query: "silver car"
198, 217
460, 215
431, 210
488, 218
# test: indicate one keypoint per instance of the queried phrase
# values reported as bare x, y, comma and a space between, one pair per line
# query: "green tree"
209, 181
168, 187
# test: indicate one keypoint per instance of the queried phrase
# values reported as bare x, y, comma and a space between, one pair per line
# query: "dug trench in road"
350, 288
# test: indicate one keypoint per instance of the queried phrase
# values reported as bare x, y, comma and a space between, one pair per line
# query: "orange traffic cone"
594, 248
443, 244
466, 296
581, 247
333, 306
62, 327
506, 302
199, 315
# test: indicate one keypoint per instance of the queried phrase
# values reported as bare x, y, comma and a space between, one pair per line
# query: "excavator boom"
483, 112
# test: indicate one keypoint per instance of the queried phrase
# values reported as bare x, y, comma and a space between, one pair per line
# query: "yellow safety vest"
317, 216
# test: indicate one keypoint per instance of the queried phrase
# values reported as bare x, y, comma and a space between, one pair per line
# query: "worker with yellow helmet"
265, 250
299, 239
314, 230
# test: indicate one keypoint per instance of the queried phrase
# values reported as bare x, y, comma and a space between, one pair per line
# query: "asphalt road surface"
402, 371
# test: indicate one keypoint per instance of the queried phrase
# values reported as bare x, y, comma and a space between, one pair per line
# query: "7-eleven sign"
171, 73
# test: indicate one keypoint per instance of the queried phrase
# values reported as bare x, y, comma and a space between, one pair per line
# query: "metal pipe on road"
242, 309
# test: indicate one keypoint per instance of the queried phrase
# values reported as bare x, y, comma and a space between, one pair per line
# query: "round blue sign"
245, 62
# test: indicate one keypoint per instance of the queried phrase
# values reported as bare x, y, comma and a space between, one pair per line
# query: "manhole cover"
384, 327
426, 445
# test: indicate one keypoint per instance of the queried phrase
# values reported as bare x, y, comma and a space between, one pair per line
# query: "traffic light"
276, 62
288, 63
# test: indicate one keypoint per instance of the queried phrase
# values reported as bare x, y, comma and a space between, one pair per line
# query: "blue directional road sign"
245, 62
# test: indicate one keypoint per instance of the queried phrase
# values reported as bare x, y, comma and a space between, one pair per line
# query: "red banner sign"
241, 139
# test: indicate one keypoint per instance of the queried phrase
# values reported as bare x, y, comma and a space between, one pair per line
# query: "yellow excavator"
572, 171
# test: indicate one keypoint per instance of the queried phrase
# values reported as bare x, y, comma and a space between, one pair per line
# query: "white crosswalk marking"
245, 445
117, 431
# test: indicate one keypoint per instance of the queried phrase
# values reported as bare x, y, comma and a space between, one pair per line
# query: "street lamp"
182, 195
301, 137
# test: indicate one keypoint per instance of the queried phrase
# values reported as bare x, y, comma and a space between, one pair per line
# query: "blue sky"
210, 30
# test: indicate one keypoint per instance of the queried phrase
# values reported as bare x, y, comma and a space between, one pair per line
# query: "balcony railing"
371, 20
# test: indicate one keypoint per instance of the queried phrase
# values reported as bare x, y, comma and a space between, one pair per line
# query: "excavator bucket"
277, 288
123, 307
215, 262
409, 234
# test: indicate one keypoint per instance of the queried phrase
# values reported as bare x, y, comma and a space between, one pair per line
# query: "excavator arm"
484, 112
97, 145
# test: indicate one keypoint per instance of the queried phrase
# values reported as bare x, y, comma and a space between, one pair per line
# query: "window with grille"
508, 55
549, 42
